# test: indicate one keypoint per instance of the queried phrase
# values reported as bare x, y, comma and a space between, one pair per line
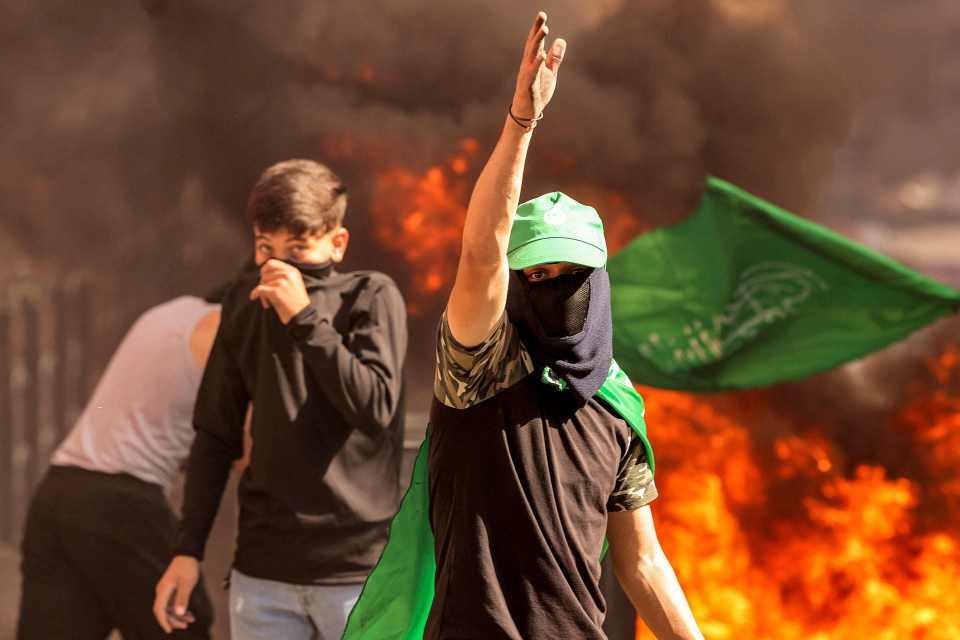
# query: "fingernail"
181, 611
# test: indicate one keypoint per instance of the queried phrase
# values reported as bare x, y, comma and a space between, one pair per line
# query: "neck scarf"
580, 359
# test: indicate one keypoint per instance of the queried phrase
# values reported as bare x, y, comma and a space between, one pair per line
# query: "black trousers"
94, 548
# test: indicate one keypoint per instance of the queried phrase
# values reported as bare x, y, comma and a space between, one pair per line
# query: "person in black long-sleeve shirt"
319, 354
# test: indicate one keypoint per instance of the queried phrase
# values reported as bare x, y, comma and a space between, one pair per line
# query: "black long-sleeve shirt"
327, 427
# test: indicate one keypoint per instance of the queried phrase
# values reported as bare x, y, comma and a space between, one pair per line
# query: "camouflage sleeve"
634, 487
468, 376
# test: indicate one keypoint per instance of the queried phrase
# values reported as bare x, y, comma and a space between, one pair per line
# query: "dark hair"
301, 196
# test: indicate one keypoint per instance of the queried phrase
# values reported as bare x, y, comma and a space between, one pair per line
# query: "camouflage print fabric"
634, 487
468, 376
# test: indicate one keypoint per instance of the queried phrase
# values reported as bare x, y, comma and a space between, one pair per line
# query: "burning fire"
420, 216
778, 538
780, 543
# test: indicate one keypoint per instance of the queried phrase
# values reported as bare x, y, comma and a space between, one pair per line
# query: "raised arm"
479, 292
647, 577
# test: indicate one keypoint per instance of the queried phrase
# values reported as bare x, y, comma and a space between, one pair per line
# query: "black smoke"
133, 131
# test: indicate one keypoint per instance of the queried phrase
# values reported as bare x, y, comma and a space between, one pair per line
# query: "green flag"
744, 294
741, 294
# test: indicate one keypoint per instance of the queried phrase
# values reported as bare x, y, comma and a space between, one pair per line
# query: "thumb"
184, 589
557, 52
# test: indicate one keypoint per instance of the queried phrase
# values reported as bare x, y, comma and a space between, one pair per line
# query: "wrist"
301, 323
187, 550
523, 109
288, 316
511, 128
524, 124
309, 326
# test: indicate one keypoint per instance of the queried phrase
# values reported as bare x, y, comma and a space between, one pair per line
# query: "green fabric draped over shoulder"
398, 593
741, 294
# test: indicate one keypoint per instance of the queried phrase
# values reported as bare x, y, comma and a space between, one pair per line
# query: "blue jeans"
270, 610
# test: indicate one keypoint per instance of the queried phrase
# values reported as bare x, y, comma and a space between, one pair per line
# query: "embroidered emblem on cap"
555, 217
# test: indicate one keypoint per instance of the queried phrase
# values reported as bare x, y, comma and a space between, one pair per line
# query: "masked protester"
319, 353
562, 313
537, 446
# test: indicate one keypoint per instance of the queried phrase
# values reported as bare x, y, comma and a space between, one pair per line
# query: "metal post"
82, 312
62, 363
31, 393
6, 427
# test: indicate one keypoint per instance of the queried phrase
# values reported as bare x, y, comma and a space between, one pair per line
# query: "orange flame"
934, 420
841, 557
421, 217
783, 541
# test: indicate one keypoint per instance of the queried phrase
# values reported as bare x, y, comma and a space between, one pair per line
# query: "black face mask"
561, 303
565, 324
312, 272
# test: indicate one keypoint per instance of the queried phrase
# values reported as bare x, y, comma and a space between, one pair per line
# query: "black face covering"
316, 276
565, 324
561, 303
313, 272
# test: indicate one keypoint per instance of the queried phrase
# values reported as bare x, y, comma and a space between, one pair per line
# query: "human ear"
339, 240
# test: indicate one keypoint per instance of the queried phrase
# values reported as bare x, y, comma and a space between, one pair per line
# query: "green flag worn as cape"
397, 596
744, 294
741, 294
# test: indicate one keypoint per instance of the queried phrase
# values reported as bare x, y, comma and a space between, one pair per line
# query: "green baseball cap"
556, 228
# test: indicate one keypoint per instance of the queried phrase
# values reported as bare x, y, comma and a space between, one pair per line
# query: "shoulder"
172, 306
236, 308
372, 290
208, 322
203, 335
374, 281
466, 376
177, 312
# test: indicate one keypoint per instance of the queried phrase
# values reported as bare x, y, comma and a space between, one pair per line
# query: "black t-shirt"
521, 481
327, 430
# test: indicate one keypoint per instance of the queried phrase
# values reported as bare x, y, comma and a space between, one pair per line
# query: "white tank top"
139, 420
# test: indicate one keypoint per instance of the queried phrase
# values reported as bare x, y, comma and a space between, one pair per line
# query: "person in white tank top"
99, 530
139, 420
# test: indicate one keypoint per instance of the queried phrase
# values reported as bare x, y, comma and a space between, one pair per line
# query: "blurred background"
132, 131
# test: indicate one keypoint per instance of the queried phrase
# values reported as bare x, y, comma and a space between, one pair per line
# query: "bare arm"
201, 339
479, 292
647, 577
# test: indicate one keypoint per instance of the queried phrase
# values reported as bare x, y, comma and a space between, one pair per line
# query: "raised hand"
537, 78
479, 292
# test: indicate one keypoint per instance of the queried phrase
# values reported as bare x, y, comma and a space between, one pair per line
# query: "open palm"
537, 78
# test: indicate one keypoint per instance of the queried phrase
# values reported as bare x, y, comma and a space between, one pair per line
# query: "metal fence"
46, 373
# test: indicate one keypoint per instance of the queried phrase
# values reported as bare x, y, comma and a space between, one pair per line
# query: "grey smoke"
132, 131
